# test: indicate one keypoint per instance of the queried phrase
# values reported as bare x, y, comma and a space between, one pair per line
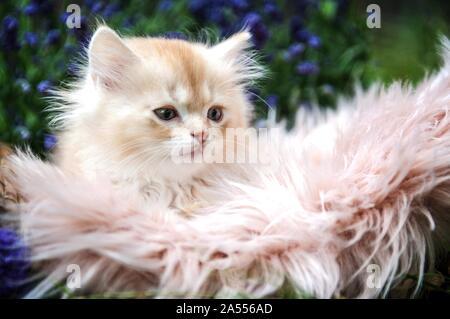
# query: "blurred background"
315, 51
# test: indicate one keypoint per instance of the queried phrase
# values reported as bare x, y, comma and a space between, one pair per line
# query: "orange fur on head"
109, 123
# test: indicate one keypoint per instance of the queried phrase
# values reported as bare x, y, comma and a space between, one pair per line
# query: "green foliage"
313, 51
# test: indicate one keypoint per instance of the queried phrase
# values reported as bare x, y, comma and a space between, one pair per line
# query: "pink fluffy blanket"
363, 188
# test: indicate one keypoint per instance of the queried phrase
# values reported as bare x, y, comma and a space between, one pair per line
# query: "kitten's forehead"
187, 75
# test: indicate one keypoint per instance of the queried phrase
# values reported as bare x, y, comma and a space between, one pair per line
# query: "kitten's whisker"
262, 100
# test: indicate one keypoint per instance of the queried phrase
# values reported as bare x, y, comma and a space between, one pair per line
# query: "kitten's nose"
201, 136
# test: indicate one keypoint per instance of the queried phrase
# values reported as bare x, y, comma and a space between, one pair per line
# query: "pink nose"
201, 136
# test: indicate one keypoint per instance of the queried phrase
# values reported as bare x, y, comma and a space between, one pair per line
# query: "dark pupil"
166, 114
214, 114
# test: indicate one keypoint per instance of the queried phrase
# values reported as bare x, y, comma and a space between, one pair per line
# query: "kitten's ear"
233, 47
234, 51
109, 58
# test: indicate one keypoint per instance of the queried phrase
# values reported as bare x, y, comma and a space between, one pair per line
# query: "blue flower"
258, 29
31, 38
31, 9
252, 19
49, 141
52, 37
44, 86
314, 41
110, 9
217, 17
272, 11
293, 51
197, 7
14, 262
272, 100
239, 6
97, 7
307, 68
8, 34
63, 17
10, 23
302, 35
38, 6
165, 5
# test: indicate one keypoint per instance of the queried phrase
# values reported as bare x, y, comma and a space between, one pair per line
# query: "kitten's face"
158, 98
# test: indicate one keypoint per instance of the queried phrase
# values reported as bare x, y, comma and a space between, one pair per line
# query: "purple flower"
293, 51
97, 7
31, 9
302, 35
110, 9
49, 141
252, 19
314, 41
14, 262
63, 17
272, 11
217, 17
272, 100
239, 6
307, 68
8, 34
10, 23
31, 38
44, 86
52, 37
258, 29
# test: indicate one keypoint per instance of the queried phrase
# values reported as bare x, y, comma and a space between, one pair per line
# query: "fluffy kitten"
141, 99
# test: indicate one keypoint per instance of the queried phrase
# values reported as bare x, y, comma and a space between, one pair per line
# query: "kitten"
142, 99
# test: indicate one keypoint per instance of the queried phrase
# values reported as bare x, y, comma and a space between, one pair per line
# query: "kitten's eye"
166, 113
215, 113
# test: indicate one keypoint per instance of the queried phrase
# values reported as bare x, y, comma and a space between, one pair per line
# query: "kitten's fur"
107, 119
379, 195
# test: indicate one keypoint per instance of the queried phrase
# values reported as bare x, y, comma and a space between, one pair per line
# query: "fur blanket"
321, 215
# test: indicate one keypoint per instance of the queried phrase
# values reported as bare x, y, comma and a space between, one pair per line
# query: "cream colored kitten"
123, 118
